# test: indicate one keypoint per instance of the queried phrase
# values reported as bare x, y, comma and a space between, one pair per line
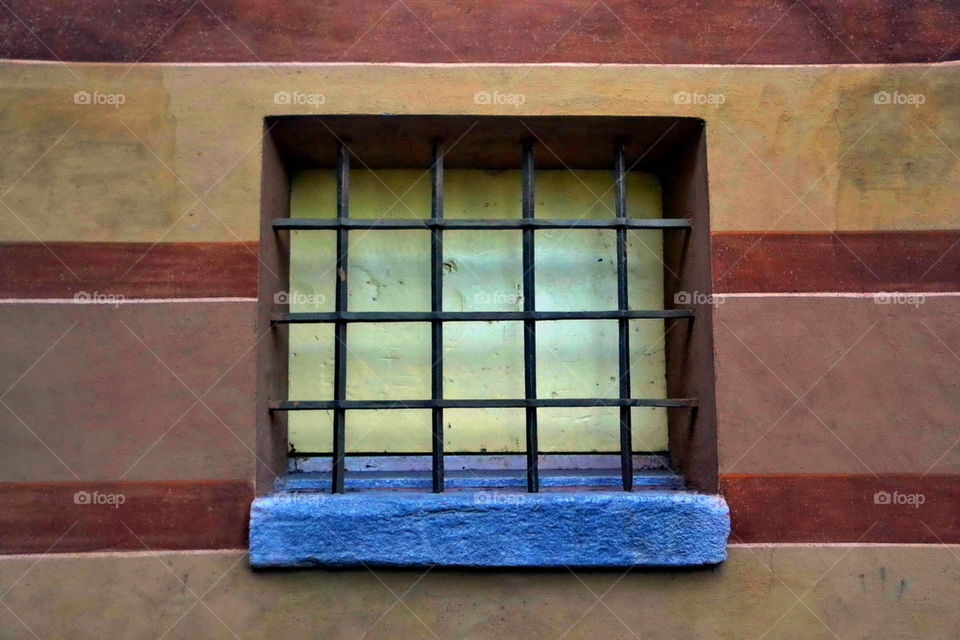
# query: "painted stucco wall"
823, 193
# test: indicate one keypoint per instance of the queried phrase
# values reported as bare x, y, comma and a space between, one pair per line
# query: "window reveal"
502, 307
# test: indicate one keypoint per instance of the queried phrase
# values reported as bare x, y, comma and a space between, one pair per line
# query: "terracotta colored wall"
149, 212
654, 32
819, 196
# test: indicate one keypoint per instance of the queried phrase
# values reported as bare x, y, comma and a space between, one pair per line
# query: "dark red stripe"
619, 31
166, 270
154, 515
866, 261
843, 508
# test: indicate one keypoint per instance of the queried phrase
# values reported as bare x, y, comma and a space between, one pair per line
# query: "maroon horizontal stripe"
144, 270
617, 31
89, 516
843, 508
867, 261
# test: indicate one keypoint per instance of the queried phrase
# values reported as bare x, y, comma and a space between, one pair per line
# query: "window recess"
610, 147
485, 344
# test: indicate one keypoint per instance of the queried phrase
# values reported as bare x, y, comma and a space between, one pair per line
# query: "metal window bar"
480, 224
475, 316
436, 305
623, 324
488, 403
341, 317
529, 324
340, 327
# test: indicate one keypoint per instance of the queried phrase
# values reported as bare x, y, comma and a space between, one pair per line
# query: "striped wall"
512, 31
128, 261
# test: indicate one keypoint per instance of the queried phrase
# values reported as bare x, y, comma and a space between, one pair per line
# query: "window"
465, 303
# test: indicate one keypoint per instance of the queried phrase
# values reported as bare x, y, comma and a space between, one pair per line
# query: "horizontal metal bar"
376, 454
491, 403
478, 479
476, 316
489, 224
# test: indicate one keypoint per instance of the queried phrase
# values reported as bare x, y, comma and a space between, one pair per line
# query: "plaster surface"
790, 148
780, 592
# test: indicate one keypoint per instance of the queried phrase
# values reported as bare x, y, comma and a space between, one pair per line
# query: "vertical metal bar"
530, 326
340, 327
436, 304
626, 435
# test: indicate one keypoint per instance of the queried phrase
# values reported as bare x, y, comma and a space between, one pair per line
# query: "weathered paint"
743, 262
488, 529
822, 508
849, 591
128, 269
859, 165
93, 516
659, 32
838, 385
889, 400
113, 390
878, 261
390, 271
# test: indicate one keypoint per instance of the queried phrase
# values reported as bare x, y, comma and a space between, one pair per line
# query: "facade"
134, 426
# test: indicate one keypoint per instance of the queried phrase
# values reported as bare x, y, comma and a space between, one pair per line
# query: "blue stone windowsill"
652, 527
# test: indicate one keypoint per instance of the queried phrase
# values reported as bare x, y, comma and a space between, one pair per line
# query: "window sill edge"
488, 529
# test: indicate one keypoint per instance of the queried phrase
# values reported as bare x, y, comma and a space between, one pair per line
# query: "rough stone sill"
650, 528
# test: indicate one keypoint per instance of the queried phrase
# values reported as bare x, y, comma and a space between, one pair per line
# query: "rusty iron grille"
527, 225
